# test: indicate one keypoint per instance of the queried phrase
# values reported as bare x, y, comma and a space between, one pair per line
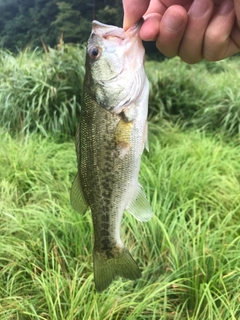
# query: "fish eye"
94, 52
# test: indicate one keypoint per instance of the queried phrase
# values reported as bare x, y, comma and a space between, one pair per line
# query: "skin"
194, 30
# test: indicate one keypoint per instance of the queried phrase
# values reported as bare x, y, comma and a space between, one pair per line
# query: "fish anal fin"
77, 199
139, 206
106, 269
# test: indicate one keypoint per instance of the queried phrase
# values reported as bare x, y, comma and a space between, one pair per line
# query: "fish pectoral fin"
139, 206
77, 199
106, 269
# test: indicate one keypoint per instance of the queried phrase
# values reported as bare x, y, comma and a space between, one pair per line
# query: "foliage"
25, 23
205, 95
70, 23
42, 91
111, 15
189, 251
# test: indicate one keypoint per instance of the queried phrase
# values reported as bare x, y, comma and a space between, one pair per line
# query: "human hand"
192, 29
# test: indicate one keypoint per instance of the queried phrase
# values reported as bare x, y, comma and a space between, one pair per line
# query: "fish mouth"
110, 32
134, 30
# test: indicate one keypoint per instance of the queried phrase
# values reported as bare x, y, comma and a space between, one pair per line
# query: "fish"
110, 139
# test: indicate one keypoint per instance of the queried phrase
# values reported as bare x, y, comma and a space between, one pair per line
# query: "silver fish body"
109, 143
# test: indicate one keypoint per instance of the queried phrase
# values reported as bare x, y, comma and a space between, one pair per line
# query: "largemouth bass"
109, 143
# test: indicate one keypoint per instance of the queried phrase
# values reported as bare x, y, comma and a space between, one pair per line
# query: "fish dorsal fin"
77, 199
139, 206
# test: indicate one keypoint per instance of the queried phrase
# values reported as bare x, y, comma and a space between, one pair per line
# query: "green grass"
41, 92
189, 252
204, 95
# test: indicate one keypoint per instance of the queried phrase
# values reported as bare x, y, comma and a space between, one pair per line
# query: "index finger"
133, 11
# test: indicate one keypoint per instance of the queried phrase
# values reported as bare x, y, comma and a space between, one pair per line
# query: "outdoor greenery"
29, 23
42, 92
204, 96
189, 252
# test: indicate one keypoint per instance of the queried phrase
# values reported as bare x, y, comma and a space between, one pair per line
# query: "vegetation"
41, 92
189, 252
28, 23
204, 96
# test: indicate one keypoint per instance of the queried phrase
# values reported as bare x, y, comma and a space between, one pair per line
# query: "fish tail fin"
107, 268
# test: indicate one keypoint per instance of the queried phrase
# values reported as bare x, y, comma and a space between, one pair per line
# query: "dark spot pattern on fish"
109, 143
104, 230
105, 216
104, 226
102, 171
106, 248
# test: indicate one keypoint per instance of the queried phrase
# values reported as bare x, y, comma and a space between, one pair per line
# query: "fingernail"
199, 8
172, 22
225, 8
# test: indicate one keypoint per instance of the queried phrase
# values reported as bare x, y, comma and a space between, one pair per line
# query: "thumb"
133, 11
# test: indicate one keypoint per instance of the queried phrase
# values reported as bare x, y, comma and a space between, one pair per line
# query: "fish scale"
109, 144
97, 165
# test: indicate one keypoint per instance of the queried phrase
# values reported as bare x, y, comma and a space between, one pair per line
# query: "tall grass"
41, 91
189, 252
205, 95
